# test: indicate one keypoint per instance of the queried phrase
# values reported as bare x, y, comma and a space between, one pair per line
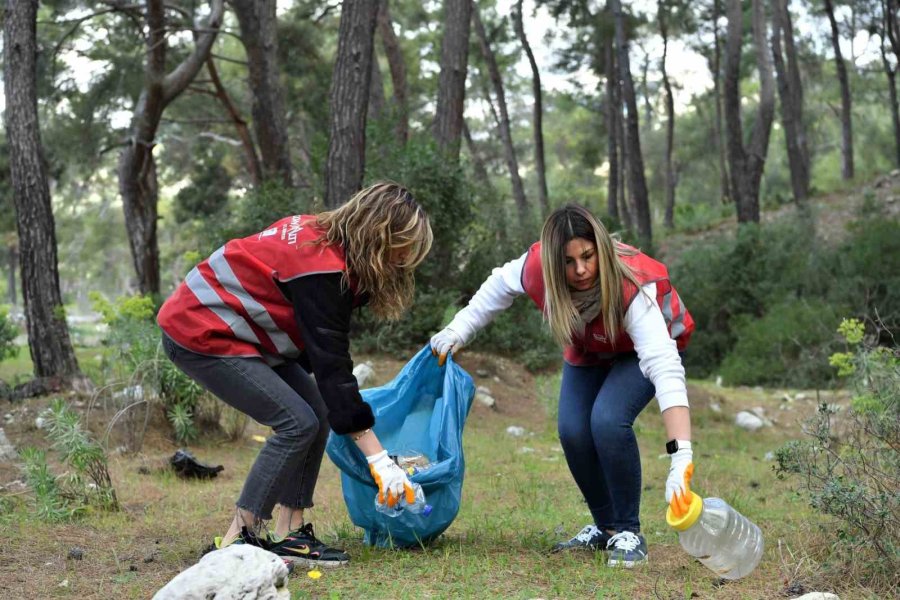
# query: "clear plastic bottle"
418, 507
717, 535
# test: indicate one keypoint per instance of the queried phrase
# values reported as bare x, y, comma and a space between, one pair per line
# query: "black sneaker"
245, 537
627, 549
589, 538
302, 546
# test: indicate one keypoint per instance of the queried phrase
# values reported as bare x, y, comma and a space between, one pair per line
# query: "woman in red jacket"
246, 318
622, 327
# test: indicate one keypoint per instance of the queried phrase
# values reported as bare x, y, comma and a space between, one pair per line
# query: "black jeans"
285, 398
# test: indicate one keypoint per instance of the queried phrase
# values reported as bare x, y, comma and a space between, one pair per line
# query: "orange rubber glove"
391, 480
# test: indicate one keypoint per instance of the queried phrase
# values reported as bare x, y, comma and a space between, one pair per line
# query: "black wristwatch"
673, 446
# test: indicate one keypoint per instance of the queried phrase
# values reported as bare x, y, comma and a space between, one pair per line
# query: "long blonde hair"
381, 218
562, 226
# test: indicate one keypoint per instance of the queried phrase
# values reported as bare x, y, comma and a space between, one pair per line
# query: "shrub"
8, 333
853, 472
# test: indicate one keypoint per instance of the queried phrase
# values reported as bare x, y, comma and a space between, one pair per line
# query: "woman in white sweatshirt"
622, 327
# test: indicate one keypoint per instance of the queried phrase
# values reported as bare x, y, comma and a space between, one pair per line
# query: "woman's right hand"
391, 480
444, 342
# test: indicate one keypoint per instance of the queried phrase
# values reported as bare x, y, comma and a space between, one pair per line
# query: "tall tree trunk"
397, 65
791, 95
259, 34
48, 336
538, 112
746, 164
670, 119
349, 94
612, 106
717, 97
137, 168
846, 117
637, 182
376, 90
448, 114
512, 163
891, 74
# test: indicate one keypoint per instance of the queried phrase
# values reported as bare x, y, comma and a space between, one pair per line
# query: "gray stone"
76, 553
237, 572
818, 596
483, 397
7, 450
715, 407
749, 421
364, 373
515, 431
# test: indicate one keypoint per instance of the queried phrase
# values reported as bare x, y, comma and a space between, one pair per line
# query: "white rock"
363, 373
818, 596
769, 456
7, 450
483, 397
786, 397
515, 431
749, 421
715, 407
237, 572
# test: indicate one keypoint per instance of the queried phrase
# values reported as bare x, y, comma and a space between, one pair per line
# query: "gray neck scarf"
587, 302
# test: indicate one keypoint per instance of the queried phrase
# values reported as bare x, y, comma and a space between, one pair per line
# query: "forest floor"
519, 499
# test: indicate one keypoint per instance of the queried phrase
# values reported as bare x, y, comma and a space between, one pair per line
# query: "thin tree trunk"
670, 120
637, 182
397, 64
478, 166
48, 335
250, 155
448, 114
376, 90
891, 74
512, 163
796, 85
612, 105
258, 23
791, 103
137, 168
717, 97
747, 163
349, 95
846, 116
538, 112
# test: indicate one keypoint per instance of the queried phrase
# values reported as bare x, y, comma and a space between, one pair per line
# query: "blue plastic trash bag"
424, 409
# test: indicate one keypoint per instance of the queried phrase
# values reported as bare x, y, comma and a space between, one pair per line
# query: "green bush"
788, 346
8, 333
851, 470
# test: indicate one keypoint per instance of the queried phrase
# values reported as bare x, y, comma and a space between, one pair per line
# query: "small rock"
786, 397
7, 450
364, 373
63, 584
715, 407
748, 421
515, 431
481, 372
769, 456
76, 553
497, 379
483, 397
818, 596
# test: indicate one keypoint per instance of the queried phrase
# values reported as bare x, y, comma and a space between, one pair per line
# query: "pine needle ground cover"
519, 499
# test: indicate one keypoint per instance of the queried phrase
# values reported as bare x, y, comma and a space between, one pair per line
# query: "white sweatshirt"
644, 324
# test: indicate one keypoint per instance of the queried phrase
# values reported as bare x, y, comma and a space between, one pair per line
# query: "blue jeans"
284, 397
597, 408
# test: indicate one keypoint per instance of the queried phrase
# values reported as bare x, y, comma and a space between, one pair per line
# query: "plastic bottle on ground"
717, 535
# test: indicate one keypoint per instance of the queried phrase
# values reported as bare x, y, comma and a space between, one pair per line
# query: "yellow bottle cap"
680, 518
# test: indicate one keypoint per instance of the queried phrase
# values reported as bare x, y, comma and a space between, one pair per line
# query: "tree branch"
175, 82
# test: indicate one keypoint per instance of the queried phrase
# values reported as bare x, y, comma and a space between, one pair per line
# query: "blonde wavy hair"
378, 220
562, 226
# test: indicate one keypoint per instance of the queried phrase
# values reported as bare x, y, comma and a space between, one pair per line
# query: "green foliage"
851, 469
50, 504
85, 455
8, 333
786, 346
207, 191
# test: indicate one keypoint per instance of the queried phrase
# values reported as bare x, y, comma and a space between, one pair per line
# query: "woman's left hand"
679, 479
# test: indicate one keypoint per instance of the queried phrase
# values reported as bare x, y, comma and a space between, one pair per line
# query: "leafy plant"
50, 503
851, 470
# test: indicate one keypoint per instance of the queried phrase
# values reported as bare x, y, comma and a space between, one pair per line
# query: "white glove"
390, 479
679, 480
444, 342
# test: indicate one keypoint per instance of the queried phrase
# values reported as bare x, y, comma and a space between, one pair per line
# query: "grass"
516, 504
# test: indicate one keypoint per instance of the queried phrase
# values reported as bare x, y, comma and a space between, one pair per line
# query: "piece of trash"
258, 438
63, 584
314, 574
186, 465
